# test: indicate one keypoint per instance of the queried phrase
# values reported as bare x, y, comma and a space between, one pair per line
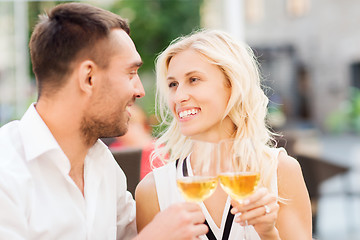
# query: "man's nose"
139, 89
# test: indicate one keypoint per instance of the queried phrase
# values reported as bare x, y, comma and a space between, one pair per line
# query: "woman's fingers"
260, 203
260, 213
260, 193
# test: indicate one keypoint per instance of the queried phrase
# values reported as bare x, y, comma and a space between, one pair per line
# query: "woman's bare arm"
147, 205
294, 217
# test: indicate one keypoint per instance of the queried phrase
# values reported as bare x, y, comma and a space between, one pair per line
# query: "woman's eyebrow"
186, 74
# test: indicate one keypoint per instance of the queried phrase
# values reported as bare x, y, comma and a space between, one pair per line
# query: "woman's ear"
86, 76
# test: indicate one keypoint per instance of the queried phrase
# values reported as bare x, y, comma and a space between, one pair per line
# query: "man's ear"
86, 76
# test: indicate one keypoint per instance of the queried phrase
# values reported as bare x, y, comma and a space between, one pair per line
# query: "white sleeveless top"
168, 194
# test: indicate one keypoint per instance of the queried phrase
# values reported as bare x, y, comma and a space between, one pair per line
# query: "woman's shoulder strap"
165, 182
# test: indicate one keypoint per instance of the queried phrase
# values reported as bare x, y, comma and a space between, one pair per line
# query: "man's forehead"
120, 38
121, 43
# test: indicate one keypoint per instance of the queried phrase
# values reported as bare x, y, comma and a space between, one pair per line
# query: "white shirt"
38, 199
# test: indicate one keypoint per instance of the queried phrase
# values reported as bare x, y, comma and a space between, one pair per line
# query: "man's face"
108, 112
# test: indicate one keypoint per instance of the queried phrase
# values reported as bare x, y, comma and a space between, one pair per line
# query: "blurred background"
309, 53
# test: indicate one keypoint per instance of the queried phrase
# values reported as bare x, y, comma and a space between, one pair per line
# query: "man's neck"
64, 124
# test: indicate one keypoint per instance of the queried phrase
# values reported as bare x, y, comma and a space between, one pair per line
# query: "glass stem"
246, 231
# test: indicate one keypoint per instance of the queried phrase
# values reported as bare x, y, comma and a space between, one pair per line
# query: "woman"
208, 85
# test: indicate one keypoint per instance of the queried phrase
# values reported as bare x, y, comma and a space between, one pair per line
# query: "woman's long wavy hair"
247, 106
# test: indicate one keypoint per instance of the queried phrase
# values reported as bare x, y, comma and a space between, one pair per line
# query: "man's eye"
132, 74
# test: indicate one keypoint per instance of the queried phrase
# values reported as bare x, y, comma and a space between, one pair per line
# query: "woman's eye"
172, 84
194, 79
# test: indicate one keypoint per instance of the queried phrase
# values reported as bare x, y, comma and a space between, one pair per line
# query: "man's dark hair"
70, 32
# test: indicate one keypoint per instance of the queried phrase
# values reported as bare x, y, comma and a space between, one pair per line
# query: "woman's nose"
181, 94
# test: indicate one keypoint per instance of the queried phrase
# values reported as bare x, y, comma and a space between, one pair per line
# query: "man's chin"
118, 133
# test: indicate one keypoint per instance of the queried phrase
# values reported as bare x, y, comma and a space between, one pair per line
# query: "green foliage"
155, 23
347, 118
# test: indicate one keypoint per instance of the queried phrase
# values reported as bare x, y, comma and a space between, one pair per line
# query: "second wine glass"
236, 175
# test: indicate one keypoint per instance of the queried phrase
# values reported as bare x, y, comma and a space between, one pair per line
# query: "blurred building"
14, 61
308, 50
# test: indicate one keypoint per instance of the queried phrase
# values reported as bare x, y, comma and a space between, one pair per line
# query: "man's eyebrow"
136, 64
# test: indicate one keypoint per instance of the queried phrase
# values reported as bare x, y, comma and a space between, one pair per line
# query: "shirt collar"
35, 135
38, 139
97, 151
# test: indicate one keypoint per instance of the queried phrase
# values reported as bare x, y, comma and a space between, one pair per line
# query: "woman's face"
198, 96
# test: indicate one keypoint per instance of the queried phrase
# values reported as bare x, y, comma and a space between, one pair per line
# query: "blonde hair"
247, 106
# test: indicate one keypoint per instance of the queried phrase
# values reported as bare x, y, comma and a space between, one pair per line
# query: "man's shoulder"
11, 150
8, 128
9, 139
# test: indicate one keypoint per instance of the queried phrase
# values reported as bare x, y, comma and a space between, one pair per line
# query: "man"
57, 180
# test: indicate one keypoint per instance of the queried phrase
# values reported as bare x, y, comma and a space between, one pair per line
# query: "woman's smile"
187, 114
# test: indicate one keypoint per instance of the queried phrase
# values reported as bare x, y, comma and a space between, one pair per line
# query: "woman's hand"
260, 210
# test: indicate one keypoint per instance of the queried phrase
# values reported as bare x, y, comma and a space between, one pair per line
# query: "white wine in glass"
196, 177
197, 189
239, 185
235, 175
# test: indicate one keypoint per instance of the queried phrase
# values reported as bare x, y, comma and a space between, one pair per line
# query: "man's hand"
181, 221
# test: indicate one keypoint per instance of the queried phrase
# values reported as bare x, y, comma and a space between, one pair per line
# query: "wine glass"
236, 176
196, 171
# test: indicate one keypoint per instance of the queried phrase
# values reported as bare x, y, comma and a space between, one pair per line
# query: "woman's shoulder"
289, 174
146, 201
287, 163
166, 166
284, 161
146, 185
165, 171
